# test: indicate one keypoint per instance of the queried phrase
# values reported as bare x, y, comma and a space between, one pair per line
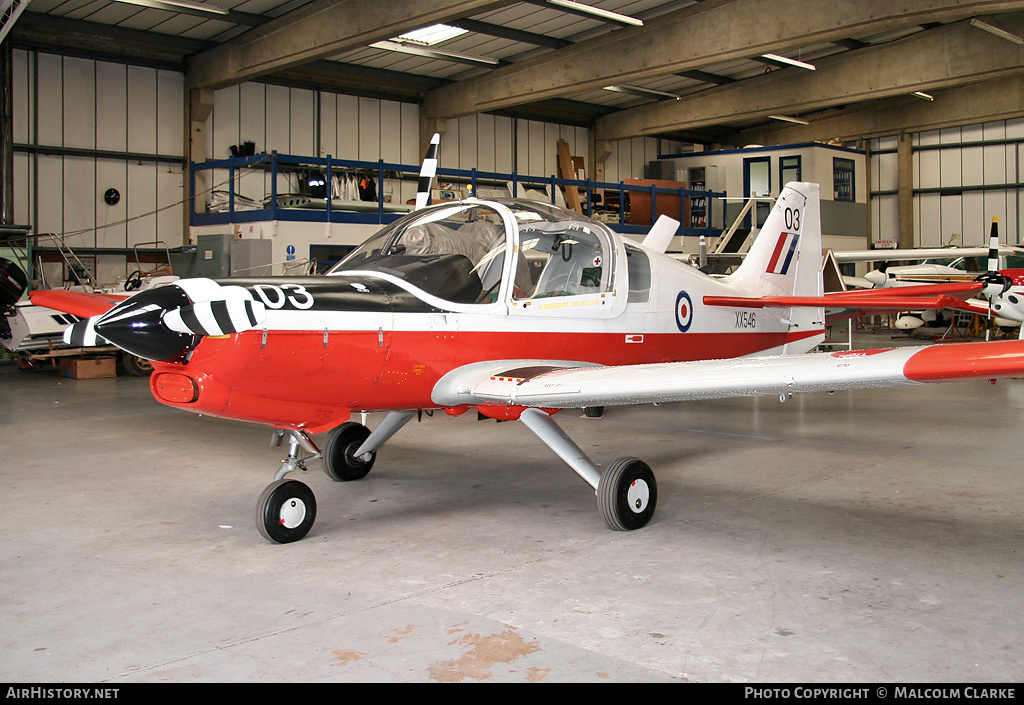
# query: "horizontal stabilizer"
899, 299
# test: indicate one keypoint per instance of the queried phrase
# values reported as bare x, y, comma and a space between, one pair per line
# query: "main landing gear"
627, 492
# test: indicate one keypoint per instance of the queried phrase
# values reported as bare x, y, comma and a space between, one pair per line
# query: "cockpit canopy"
457, 251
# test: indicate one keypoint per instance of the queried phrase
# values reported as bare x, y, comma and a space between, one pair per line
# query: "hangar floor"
862, 537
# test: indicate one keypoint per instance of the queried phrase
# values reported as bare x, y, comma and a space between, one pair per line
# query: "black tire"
340, 462
627, 494
136, 366
593, 412
285, 511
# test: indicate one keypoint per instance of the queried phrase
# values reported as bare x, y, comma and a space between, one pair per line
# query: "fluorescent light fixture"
922, 96
434, 34
791, 62
417, 49
597, 12
996, 31
637, 90
787, 118
171, 5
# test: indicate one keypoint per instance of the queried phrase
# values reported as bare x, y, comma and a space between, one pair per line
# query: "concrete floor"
862, 537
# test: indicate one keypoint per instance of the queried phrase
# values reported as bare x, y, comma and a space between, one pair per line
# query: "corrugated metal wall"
963, 177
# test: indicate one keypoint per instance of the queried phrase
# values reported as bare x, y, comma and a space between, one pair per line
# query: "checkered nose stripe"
215, 317
83, 334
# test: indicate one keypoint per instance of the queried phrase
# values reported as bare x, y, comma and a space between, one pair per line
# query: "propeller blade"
222, 317
83, 334
427, 172
993, 246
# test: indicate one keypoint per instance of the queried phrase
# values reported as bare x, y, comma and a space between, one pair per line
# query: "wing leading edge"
564, 386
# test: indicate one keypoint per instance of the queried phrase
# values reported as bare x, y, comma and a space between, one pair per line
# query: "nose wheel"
285, 511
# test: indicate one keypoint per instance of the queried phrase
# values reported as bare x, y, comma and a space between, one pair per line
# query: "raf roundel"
684, 311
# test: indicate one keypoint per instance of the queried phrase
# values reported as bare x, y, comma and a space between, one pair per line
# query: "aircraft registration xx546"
514, 309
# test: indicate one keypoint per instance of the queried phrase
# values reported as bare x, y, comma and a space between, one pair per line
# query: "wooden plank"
572, 194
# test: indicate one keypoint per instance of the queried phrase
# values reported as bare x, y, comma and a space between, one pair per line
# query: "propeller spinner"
165, 323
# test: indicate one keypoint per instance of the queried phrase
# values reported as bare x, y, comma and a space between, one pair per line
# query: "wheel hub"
638, 495
292, 513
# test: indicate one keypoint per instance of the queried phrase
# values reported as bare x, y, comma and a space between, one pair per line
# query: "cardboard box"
88, 367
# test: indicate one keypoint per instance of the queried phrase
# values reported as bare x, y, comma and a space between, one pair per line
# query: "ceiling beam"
687, 39
998, 99
946, 56
319, 30
516, 35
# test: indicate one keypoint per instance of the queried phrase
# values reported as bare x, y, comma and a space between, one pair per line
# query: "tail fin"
427, 172
786, 258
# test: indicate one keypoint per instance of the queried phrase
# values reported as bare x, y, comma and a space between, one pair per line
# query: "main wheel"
340, 461
136, 366
285, 511
627, 494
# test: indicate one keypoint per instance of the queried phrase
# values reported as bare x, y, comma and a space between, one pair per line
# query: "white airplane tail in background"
785, 259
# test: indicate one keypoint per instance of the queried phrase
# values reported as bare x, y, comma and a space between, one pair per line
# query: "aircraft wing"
910, 254
78, 303
546, 385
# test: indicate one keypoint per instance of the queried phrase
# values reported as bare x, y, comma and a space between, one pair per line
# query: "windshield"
561, 253
455, 252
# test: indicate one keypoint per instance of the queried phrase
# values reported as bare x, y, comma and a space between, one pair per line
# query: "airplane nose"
876, 277
136, 325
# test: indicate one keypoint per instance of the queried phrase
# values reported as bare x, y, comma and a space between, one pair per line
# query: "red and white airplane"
514, 309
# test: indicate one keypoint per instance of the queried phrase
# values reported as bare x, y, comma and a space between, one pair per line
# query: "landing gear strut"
287, 508
626, 492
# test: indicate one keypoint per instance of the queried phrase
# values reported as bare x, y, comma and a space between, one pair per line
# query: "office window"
842, 179
789, 170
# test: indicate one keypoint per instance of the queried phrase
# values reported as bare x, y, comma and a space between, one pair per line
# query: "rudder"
785, 259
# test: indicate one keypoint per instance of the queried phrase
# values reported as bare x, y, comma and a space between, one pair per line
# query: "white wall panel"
950, 167
928, 169
141, 197
170, 96
485, 143
278, 112
410, 134
928, 221
884, 218
348, 127
972, 168
994, 160
973, 224
79, 86
885, 172
50, 114
468, 148
369, 129
224, 123
328, 125
142, 109
302, 115
112, 106
504, 144
169, 191
80, 202
951, 218
22, 76
22, 188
